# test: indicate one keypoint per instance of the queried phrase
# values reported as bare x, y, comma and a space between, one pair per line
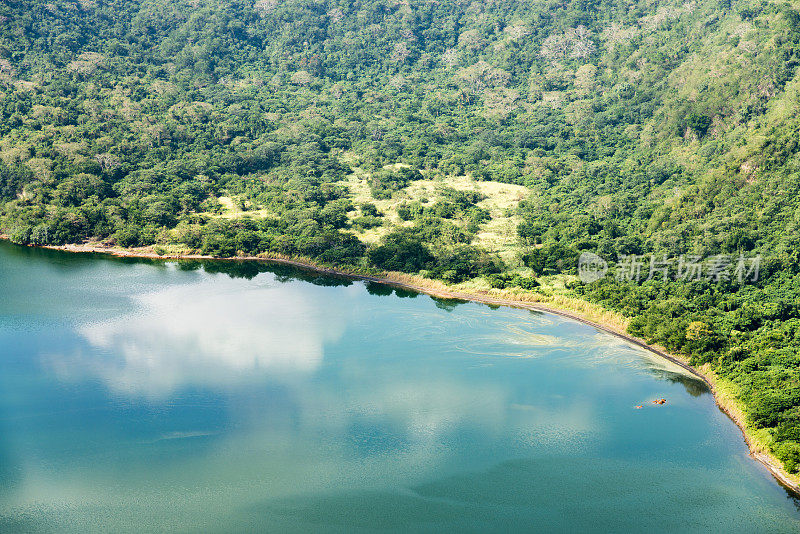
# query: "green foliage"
366, 222
552, 258
697, 123
383, 183
509, 280
12, 180
368, 209
401, 251
463, 263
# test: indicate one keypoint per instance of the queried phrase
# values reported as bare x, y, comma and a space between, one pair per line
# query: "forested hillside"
489, 142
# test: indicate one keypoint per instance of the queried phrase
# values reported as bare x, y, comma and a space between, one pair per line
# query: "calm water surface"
146, 396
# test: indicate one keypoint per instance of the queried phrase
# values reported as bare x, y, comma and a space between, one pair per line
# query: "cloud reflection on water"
203, 334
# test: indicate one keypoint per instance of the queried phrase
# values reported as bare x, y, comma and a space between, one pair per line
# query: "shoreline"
727, 405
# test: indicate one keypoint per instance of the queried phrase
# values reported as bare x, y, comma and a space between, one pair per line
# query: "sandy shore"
727, 405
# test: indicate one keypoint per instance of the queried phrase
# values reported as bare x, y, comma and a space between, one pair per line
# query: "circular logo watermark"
591, 267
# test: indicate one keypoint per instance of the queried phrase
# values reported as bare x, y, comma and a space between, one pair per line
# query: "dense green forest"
489, 142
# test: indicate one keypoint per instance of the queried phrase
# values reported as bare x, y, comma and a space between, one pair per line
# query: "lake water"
150, 396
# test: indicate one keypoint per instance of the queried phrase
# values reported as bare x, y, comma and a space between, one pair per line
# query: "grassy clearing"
230, 209
499, 234
358, 185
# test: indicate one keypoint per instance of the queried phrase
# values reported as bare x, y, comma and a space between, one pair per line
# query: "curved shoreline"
789, 482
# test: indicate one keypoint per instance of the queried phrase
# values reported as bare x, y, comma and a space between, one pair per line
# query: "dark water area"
140, 395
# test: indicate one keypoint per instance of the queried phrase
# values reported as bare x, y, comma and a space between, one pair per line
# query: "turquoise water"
142, 396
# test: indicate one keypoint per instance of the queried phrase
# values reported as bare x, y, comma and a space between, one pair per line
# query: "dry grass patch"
231, 210
499, 234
